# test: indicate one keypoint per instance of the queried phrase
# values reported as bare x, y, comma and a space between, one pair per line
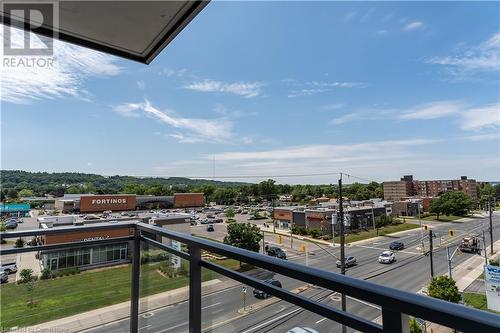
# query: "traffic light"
303, 248
451, 233
426, 227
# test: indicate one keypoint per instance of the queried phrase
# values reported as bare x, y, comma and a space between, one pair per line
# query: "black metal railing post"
194, 289
134, 283
394, 321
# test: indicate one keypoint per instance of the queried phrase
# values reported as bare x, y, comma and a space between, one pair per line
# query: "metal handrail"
395, 304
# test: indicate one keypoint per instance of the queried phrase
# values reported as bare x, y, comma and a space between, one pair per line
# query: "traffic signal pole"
430, 253
342, 243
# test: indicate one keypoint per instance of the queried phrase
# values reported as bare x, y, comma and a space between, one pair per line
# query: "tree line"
16, 184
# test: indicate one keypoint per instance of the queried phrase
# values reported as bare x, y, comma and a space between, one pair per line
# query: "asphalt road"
410, 272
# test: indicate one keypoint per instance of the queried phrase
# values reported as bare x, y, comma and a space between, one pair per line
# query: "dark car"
349, 261
262, 294
210, 227
396, 246
275, 252
11, 224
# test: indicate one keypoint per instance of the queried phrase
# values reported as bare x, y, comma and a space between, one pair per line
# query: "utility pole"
491, 228
430, 253
485, 250
263, 243
274, 223
342, 243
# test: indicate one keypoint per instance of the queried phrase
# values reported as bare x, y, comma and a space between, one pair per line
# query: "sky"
256, 89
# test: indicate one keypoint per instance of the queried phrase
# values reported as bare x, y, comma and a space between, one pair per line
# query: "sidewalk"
306, 239
27, 261
117, 312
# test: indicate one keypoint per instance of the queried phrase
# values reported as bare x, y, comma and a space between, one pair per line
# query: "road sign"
244, 289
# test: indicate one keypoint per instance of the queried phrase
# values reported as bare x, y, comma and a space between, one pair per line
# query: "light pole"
421, 229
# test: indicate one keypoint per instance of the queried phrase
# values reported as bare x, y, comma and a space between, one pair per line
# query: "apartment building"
407, 187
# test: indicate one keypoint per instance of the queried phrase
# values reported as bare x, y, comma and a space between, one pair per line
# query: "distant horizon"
242, 179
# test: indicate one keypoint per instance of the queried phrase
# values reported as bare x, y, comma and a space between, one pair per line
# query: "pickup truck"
8, 268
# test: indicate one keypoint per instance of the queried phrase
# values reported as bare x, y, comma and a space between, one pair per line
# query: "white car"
386, 257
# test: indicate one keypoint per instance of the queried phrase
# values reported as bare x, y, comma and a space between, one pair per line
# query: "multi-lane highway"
411, 272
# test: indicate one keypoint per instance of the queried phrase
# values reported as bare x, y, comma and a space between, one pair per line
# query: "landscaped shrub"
148, 257
66, 272
46, 274
19, 242
314, 233
167, 270
26, 275
495, 262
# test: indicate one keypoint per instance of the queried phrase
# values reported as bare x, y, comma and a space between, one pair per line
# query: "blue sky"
373, 89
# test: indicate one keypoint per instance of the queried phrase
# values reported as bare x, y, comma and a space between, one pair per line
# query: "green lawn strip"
477, 301
443, 218
362, 235
70, 295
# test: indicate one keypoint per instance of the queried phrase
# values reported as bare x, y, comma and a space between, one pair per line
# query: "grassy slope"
70, 295
477, 301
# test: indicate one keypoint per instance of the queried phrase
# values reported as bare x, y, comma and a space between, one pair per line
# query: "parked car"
349, 261
9, 267
3, 277
262, 294
274, 251
386, 257
396, 246
204, 221
10, 224
218, 220
302, 330
210, 227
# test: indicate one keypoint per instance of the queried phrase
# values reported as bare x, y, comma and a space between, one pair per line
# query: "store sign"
89, 239
109, 201
492, 280
175, 261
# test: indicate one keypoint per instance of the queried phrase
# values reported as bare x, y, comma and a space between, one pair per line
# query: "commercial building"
92, 203
407, 187
85, 257
14, 209
319, 219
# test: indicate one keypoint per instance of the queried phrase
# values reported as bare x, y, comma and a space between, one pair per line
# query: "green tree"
25, 192
229, 213
414, 326
445, 288
12, 194
243, 235
452, 203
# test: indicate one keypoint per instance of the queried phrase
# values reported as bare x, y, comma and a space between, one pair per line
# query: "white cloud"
169, 72
481, 118
71, 66
316, 87
320, 151
415, 25
195, 130
244, 89
347, 118
433, 110
483, 137
467, 60
141, 84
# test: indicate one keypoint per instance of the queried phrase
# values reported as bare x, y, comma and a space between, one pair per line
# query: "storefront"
86, 256
15, 209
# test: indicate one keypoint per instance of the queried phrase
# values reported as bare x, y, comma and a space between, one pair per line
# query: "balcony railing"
396, 305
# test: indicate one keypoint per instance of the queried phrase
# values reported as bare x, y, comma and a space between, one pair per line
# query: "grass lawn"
86, 291
443, 218
477, 301
381, 232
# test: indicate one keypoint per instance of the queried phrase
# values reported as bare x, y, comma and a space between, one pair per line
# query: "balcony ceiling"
137, 30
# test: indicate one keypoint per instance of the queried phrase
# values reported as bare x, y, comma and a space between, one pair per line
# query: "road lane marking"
211, 305
173, 327
319, 321
271, 321
145, 327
